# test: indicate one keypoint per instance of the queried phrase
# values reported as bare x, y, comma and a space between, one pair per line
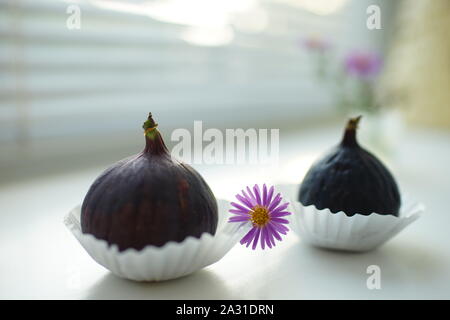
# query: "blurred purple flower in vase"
319, 48
363, 64
316, 43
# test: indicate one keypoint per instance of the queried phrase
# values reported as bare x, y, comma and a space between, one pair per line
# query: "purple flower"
264, 212
363, 64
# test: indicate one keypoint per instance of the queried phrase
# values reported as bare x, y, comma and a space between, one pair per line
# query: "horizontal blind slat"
124, 64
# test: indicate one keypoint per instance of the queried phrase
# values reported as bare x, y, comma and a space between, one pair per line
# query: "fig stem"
149, 127
349, 138
154, 143
150, 123
353, 123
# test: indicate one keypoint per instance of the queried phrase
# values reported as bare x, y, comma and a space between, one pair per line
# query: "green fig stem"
349, 138
154, 144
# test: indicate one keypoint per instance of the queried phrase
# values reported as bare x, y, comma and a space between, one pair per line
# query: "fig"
148, 199
350, 179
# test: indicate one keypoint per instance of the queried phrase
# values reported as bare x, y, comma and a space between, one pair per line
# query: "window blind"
58, 83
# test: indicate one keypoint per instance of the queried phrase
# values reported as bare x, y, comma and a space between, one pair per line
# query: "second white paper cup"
325, 229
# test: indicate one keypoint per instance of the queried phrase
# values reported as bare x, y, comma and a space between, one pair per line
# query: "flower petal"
238, 219
238, 212
267, 241
263, 237
274, 232
248, 237
264, 195
276, 201
251, 195
257, 194
270, 241
267, 237
280, 214
269, 196
280, 208
249, 198
280, 228
244, 201
255, 240
238, 206
280, 220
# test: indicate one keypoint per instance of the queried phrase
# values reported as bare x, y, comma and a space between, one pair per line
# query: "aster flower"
364, 64
264, 212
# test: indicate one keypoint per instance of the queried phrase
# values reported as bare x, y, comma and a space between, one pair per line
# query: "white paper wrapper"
325, 229
170, 261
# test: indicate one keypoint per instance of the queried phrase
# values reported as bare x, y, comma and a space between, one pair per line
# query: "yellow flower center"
259, 216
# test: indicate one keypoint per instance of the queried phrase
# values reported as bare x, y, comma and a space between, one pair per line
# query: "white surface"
39, 257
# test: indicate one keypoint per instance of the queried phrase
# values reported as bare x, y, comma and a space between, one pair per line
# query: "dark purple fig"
149, 199
350, 179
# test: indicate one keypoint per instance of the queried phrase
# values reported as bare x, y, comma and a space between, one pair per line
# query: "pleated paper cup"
359, 233
172, 260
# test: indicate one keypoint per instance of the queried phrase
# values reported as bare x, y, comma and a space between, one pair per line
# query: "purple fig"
350, 179
149, 199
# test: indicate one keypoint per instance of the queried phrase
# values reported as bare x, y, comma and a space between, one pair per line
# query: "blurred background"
73, 97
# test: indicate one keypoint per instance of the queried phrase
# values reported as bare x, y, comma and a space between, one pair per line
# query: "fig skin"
350, 179
149, 199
